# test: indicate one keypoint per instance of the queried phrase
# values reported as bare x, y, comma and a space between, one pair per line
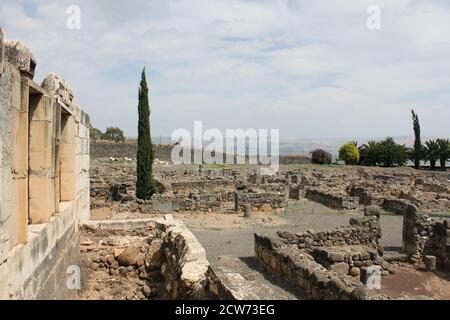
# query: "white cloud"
310, 68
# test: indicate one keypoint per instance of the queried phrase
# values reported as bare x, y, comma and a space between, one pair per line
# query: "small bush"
320, 156
349, 153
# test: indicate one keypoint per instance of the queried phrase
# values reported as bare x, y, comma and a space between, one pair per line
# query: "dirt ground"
409, 283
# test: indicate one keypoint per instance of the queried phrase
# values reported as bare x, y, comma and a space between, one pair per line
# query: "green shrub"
444, 151
385, 153
432, 152
320, 156
349, 153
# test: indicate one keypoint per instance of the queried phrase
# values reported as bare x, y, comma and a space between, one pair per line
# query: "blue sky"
309, 68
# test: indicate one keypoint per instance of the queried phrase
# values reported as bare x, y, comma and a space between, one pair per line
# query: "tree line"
388, 153
111, 134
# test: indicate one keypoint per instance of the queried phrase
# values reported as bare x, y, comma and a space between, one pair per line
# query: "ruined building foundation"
44, 170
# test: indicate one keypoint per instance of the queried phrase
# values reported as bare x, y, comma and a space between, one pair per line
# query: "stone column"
22, 161
237, 201
410, 232
247, 210
430, 263
67, 150
40, 156
294, 192
57, 157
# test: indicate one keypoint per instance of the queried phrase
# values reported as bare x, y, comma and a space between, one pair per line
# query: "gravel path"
305, 215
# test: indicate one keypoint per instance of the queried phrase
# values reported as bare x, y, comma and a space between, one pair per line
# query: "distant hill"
304, 146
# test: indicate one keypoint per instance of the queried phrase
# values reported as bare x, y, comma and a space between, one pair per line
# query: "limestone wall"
82, 164
10, 84
44, 184
185, 267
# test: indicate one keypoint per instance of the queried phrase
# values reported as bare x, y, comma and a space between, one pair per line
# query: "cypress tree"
145, 187
417, 150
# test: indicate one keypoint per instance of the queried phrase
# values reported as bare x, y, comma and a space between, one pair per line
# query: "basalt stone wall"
424, 236
331, 200
201, 202
256, 200
106, 149
361, 231
397, 206
365, 196
187, 187
298, 268
439, 243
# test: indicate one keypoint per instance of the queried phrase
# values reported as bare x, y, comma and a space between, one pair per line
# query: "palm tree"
444, 151
432, 153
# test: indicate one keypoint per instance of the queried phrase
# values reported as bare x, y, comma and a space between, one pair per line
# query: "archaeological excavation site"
72, 226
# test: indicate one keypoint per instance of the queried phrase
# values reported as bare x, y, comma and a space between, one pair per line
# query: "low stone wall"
180, 258
439, 243
197, 202
329, 264
424, 236
106, 149
366, 197
185, 267
361, 231
258, 200
397, 206
331, 200
188, 187
298, 267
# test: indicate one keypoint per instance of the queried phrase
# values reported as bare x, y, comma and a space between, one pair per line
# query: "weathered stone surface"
430, 263
247, 211
340, 267
355, 272
17, 54
128, 257
266, 208
372, 211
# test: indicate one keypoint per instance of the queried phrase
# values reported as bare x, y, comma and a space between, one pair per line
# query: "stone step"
244, 279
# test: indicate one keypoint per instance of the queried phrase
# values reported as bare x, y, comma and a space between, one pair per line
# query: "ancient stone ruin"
44, 165
71, 226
